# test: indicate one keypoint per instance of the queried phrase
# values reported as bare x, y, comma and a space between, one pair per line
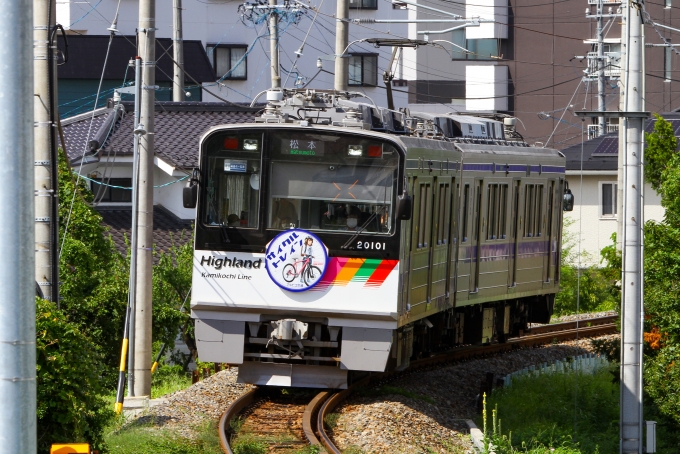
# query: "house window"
363, 4
363, 69
112, 190
608, 199
229, 60
482, 49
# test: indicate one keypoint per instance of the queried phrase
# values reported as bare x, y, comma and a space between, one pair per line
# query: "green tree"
171, 292
661, 147
94, 276
582, 288
69, 386
662, 274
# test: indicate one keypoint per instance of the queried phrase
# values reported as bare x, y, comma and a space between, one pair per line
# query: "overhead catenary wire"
87, 139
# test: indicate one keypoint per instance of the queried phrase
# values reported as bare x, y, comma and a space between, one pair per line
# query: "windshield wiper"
363, 226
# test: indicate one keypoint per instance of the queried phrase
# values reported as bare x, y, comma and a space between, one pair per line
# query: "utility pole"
45, 156
17, 231
601, 94
143, 306
274, 44
341, 41
132, 292
632, 312
178, 52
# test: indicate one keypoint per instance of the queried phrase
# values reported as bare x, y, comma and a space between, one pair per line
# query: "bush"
70, 406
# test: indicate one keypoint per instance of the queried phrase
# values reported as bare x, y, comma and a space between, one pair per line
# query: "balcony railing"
593, 130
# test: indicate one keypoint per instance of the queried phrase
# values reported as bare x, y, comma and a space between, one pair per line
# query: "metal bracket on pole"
611, 114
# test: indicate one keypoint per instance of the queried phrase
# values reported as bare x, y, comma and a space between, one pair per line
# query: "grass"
136, 439
558, 413
331, 420
169, 379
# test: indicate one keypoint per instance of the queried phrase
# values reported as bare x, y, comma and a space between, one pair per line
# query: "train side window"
424, 215
502, 218
529, 211
443, 215
464, 220
477, 213
492, 212
539, 210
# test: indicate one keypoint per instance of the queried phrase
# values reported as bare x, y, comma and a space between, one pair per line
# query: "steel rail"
232, 411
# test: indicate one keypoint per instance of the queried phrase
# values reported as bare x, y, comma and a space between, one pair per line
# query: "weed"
309, 450
140, 439
331, 420
236, 424
249, 445
559, 413
353, 449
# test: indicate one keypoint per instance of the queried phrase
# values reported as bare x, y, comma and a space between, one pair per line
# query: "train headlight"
250, 144
355, 150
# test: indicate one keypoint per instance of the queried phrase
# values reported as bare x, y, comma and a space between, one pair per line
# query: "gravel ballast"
202, 402
434, 420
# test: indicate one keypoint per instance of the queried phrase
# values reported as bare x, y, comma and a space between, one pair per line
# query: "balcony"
609, 129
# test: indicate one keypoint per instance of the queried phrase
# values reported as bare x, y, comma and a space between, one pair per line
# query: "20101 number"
371, 245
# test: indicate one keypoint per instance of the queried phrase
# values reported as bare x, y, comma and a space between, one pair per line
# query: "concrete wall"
588, 225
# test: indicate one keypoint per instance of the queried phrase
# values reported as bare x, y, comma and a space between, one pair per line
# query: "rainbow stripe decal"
342, 270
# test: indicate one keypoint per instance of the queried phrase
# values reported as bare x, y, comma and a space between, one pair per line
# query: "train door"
463, 265
440, 238
476, 243
420, 242
550, 233
514, 234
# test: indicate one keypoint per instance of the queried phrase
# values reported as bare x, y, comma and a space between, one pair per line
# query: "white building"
239, 49
592, 178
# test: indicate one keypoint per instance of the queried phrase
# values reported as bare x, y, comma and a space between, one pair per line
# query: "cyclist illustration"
303, 267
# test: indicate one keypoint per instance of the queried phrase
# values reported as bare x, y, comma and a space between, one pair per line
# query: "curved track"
286, 417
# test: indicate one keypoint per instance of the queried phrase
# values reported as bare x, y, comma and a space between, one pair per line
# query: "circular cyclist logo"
296, 260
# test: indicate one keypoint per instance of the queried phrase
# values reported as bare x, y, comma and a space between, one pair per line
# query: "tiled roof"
167, 228
178, 127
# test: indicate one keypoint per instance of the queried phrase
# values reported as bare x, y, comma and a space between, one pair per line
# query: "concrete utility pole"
132, 292
142, 328
341, 41
631, 283
177, 51
274, 44
46, 222
17, 235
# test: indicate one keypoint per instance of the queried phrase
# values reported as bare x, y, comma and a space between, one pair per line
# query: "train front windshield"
312, 180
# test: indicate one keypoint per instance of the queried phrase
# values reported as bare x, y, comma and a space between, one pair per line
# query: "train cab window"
332, 182
232, 180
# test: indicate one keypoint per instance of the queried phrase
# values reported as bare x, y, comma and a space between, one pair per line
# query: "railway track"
287, 423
